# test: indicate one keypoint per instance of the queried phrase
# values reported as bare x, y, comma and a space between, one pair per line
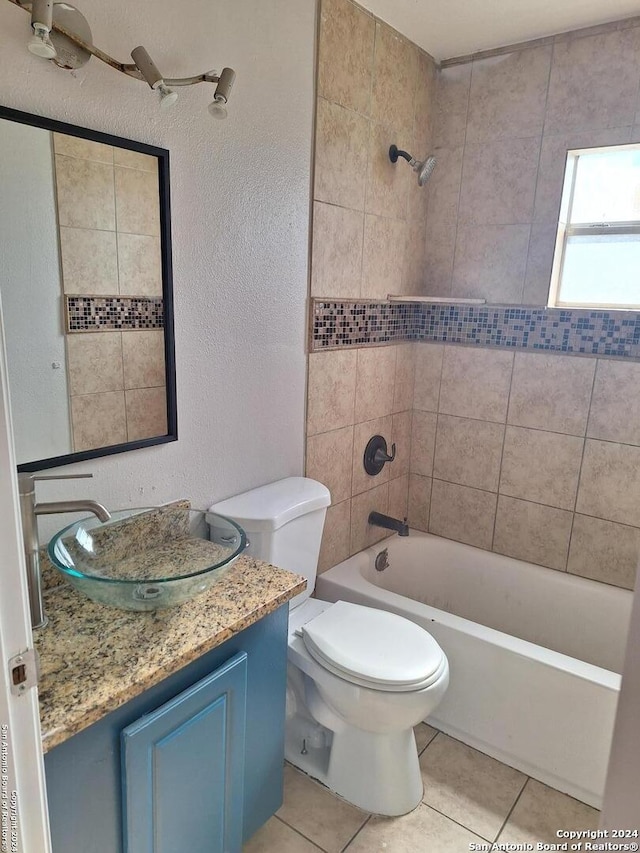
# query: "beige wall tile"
423, 439
508, 95
98, 420
135, 160
345, 61
85, 194
540, 811
375, 382
419, 501
143, 356
331, 390
425, 101
342, 145
329, 460
615, 407
541, 466
387, 182
452, 103
440, 246
551, 392
610, 482
364, 534
444, 187
137, 201
394, 80
336, 267
320, 816
401, 437
361, 481
405, 375
464, 514
468, 786
399, 497
146, 412
468, 452
413, 278
139, 265
82, 149
421, 829
490, 262
499, 182
383, 257
531, 532
542, 246
335, 537
89, 261
94, 362
594, 82
475, 383
429, 359
604, 551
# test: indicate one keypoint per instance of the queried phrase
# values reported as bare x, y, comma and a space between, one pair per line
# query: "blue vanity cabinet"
183, 768
90, 809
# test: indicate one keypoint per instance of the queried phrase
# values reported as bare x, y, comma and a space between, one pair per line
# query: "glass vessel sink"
148, 558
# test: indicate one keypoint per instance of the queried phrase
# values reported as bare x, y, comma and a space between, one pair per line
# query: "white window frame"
566, 230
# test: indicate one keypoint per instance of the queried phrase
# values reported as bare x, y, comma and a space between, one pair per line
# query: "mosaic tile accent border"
352, 323
578, 331
112, 313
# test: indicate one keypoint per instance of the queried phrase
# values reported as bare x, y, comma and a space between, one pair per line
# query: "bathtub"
535, 654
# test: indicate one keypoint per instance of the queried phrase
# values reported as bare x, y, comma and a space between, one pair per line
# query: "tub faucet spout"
388, 523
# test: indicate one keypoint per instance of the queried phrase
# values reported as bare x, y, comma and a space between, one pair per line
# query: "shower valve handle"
382, 456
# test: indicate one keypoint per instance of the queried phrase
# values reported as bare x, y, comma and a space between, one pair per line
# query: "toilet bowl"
359, 679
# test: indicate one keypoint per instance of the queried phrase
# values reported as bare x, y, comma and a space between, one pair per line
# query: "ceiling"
448, 28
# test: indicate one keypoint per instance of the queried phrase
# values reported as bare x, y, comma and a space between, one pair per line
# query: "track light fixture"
62, 34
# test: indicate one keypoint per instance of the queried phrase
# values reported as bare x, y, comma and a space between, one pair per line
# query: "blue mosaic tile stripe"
351, 324
348, 323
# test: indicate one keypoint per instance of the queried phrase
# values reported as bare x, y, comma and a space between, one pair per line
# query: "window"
597, 257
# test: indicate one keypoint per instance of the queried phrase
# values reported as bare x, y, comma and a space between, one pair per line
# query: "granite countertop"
94, 658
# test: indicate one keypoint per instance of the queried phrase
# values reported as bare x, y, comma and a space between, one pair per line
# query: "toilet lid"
373, 648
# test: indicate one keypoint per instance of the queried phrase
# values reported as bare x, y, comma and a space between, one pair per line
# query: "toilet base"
379, 773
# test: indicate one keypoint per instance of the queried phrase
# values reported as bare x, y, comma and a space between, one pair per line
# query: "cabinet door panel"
183, 769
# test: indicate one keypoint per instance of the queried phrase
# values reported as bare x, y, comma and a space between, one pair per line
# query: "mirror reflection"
82, 294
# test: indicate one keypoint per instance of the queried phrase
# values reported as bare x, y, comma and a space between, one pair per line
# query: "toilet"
359, 679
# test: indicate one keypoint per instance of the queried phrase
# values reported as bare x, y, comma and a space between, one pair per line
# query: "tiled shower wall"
375, 89
108, 215
530, 455
502, 128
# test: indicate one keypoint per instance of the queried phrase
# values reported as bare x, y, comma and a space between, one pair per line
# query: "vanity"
164, 731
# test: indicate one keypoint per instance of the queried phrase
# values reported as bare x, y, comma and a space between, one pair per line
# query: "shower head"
424, 168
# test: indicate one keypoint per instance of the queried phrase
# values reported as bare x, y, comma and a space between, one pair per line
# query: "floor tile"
468, 786
423, 829
424, 735
541, 812
276, 837
318, 814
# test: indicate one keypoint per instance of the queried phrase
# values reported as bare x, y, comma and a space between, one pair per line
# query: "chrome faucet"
29, 511
379, 520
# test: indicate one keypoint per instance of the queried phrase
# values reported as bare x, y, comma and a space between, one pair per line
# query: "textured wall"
240, 218
375, 88
502, 129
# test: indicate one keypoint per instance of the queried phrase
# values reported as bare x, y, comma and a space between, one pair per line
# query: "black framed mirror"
86, 291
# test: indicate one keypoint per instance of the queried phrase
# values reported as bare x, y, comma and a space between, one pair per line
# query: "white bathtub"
534, 654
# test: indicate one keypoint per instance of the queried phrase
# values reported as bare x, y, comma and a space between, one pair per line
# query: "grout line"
301, 834
444, 353
504, 441
457, 822
354, 836
517, 800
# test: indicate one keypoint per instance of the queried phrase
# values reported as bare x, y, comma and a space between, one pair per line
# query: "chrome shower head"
424, 168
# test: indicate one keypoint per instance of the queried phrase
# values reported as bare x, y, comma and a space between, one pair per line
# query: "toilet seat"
373, 648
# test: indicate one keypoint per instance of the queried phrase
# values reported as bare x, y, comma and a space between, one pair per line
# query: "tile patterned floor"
468, 798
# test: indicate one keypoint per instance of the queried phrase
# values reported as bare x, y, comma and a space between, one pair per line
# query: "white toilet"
359, 679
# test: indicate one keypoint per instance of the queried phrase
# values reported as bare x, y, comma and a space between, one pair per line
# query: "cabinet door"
182, 769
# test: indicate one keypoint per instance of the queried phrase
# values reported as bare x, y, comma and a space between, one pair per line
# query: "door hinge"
23, 672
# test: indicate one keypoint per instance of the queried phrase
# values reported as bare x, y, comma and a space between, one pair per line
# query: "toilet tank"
283, 522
